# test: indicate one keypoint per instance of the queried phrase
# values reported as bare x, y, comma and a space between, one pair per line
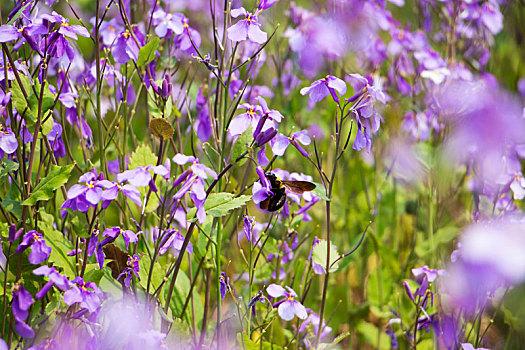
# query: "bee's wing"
298, 187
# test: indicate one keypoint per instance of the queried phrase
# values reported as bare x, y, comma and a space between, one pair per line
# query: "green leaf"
369, 334
60, 246
12, 203
141, 157
219, 204
147, 52
248, 344
241, 144
93, 273
7, 166
320, 192
157, 274
45, 188
319, 255
442, 236
154, 110
181, 291
48, 124
17, 96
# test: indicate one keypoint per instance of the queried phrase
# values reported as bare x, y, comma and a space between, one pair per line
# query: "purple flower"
314, 320
367, 92
22, 301
171, 238
266, 4
128, 235
56, 42
164, 91
490, 257
249, 221
8, 142
168, 23
484, 123
261, 190
468, 346
259, 297
125, 48
109, 31
9, 33
241, 122
193, 182
131, 269
81, 197
10, 73
112, 190
287, 307
39, 250
271, 115
55, 140
55, 279
141, 176
188, 39
280, 142
203, 123
246, 29
224, 282
324, 87
393, 338
86, 294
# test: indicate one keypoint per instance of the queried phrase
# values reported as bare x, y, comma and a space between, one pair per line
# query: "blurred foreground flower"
490, 257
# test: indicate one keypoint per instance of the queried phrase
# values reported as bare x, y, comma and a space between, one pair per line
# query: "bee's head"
274, 180
270, 176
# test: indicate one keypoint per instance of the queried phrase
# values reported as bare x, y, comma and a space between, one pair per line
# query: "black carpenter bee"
279, 188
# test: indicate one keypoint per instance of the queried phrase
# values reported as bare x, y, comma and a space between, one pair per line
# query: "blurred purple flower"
203, 122
313, 320
266, 4
468, 346
490, 257
484, 124
287, 307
